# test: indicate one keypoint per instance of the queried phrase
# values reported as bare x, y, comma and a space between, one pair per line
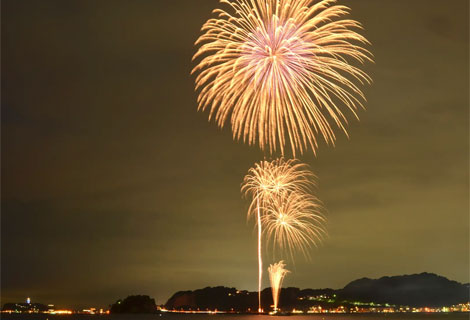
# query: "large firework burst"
280, 70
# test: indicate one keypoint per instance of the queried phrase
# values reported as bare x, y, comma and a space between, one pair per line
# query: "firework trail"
281, 71
277, 272
285, 210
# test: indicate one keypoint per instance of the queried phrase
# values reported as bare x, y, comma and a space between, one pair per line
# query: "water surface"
450, 316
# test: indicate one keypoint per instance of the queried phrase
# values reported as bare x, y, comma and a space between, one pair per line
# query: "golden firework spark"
294, 222
277, 272
281, 71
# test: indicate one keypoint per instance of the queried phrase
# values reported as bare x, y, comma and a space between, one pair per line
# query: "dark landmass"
134, 304
417, 290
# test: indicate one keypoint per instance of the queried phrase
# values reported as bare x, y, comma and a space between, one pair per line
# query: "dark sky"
113, 184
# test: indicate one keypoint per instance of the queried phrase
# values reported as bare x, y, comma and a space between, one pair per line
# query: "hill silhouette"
135, 304
416, 290
425, 289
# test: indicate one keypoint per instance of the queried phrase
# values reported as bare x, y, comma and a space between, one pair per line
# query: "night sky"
113, 184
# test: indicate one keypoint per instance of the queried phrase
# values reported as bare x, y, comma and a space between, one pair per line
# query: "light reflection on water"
453, 316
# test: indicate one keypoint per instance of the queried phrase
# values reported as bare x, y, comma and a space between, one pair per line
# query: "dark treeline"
134, 304
418, 290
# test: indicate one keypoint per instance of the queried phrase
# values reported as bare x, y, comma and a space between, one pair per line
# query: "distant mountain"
419, 290
415, 290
